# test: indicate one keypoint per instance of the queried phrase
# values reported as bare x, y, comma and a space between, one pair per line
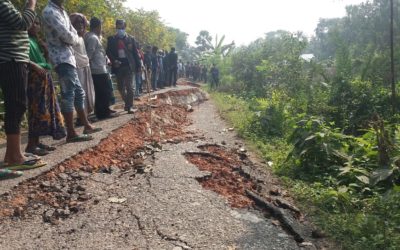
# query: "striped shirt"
14, 41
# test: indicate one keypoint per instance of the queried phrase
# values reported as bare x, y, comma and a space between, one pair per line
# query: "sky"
246, 20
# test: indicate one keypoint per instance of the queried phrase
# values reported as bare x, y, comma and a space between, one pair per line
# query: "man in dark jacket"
166, 68
173, 66
122, 51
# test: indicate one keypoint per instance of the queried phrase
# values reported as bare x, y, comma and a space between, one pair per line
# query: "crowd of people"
82, 65
199, 72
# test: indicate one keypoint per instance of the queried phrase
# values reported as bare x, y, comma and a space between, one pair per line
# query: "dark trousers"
125, 85
102, 95
154, 79
161, 79
172, 76
167, 77
204, 77
13, 83
214, 81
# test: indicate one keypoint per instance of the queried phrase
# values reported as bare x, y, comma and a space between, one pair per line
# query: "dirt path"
174, 179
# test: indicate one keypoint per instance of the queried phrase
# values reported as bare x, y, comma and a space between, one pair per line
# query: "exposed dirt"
62, 192
226, 177
186, 82
60, 189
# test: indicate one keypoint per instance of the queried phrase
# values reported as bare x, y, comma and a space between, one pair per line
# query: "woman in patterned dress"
44, 116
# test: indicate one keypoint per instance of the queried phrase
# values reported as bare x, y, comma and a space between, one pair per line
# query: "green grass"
353, 221
238, 113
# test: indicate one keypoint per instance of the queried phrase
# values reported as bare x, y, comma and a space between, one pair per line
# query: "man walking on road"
61, 36
122, 51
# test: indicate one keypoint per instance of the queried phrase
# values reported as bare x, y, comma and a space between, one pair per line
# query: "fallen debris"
124, 149
116, 200
290, 225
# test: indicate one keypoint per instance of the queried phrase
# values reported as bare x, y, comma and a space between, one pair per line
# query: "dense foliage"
146, 26
325, 123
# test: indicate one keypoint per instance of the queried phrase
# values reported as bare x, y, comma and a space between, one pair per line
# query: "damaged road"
172, 178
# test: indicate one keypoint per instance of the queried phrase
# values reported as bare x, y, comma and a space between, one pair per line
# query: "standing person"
14, 59
61, 36
98, 66
154, 68
187, 70
195, 71
79, 22
147, 67
198, 71
122, 51
166, 68
173, 66
110, 82
204, 73
191, 71
180, 69
44, 115
214, 76
161, 74
138, 75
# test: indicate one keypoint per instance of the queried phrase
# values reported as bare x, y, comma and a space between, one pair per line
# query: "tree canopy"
146, 26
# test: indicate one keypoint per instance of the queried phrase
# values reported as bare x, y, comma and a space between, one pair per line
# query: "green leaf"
344, 170
364, 179
310, 137
343, 189
303, 152
380, 175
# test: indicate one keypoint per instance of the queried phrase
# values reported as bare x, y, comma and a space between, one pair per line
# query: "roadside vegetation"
326, 124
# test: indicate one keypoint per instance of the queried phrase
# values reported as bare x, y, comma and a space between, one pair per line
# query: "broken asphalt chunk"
286, 219
116, 200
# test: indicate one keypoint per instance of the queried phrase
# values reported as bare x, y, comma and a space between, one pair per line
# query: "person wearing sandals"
79, 22
44, 115
14, 63
61, 36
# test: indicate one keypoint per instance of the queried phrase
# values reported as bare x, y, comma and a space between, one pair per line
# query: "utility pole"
392, 74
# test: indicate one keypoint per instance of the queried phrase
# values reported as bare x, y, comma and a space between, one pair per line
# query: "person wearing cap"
122, 51
61, 36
